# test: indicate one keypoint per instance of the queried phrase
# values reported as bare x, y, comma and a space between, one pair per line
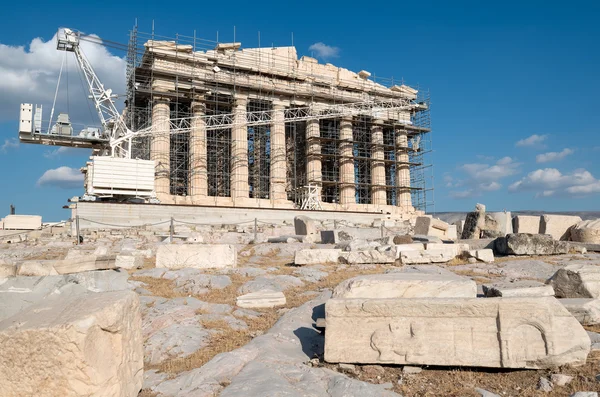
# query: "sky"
514, 86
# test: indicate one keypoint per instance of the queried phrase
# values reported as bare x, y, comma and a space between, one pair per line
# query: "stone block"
474, 223
484, 255
368, 257
129, 262
429, 226
7, 269
523, 288
330, 237
492, 332
434, 255
408, 247
199, 256
460, 225
497, 224
23, 222
576, 281
79, 345
36, 268
261, 299
586, 232
451, 233
586, 311
530, 244
558, 226
406, 285
305, 226
65, 266
526, 224
316, 256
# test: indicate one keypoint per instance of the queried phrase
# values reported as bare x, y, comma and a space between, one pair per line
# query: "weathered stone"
494, 332
406, 285
576, 281
195, 238
560, 379
304, 226
431, 226
419, 238
558, 226
402, 239
484, 255
485, 393
78, 345
586, 311
129, 262
407, 369
199, 256
544, 385
330, 237
7, 269
316, 256
497, 224
587, 232
367, 257
36, 268
524, 288
261, 299
530, 244
474, 223
526, 224
22, 222
434, 255
584, 394
459, 227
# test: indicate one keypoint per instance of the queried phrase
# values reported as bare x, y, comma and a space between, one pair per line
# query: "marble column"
160, 147
313, 152
403, 199
347, 179
378, 193
239, 151
278, 154
198, 155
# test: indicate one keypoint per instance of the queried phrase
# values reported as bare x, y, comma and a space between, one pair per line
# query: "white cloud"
553, 156
62, 177
533, 141
551, 182
481, 177
8, 144
322, 50
29, 75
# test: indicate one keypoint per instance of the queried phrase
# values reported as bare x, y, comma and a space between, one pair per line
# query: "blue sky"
498, 75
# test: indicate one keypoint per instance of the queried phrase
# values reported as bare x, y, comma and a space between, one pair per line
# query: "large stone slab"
430, 226
474, 223
433, 255
406, 285
522, 288
526, 224
65, 266
199, 256
586, 311
497, 224
261, 299
491, 332
530, 244
304, 226
23, 222
558, 226
587, 232
576, 281
368, 257
316, 256
78, 345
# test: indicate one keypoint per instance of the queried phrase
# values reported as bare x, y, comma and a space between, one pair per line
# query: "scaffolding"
175, 69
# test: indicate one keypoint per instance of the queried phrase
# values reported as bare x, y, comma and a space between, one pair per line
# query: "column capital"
277, 104
239, 99
377, 123
161, 99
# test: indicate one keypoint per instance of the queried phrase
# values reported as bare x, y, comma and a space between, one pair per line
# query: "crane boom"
68, 40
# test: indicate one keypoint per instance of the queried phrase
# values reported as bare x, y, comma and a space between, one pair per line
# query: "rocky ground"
197, 342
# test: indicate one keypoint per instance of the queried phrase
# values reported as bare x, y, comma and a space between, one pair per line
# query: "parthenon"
262, 128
